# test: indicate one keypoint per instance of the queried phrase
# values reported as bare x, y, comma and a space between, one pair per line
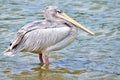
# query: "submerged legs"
45, 59
41, 59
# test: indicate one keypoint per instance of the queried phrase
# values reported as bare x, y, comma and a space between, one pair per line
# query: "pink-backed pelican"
54, 33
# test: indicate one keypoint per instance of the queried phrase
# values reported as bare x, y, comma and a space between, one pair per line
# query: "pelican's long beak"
66, 17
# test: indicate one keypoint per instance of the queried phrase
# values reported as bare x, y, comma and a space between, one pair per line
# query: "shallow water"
87, 58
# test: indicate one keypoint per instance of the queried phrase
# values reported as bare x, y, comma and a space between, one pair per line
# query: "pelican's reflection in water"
56, 71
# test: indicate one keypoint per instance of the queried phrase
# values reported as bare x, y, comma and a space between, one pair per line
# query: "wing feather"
27, 28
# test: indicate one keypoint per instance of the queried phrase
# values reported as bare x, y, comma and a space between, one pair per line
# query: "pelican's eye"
59, 11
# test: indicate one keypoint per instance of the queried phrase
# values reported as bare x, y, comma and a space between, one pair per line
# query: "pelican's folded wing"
25, 29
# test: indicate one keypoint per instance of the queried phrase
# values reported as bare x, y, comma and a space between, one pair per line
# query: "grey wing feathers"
27, 28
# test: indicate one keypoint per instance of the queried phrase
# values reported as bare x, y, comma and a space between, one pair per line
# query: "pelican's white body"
54, 38
42, 35
54, 33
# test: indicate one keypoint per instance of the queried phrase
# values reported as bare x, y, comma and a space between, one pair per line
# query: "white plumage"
54, 33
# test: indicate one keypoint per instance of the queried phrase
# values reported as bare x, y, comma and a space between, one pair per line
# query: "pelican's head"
53, 13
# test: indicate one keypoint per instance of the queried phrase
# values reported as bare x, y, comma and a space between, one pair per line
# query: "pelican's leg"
46, 59
41, 59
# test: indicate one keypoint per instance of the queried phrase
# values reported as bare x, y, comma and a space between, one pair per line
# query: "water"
87, 58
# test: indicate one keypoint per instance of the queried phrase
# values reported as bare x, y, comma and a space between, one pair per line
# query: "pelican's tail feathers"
9, 52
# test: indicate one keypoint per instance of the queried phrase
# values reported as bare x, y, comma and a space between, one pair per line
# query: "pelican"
57, 31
